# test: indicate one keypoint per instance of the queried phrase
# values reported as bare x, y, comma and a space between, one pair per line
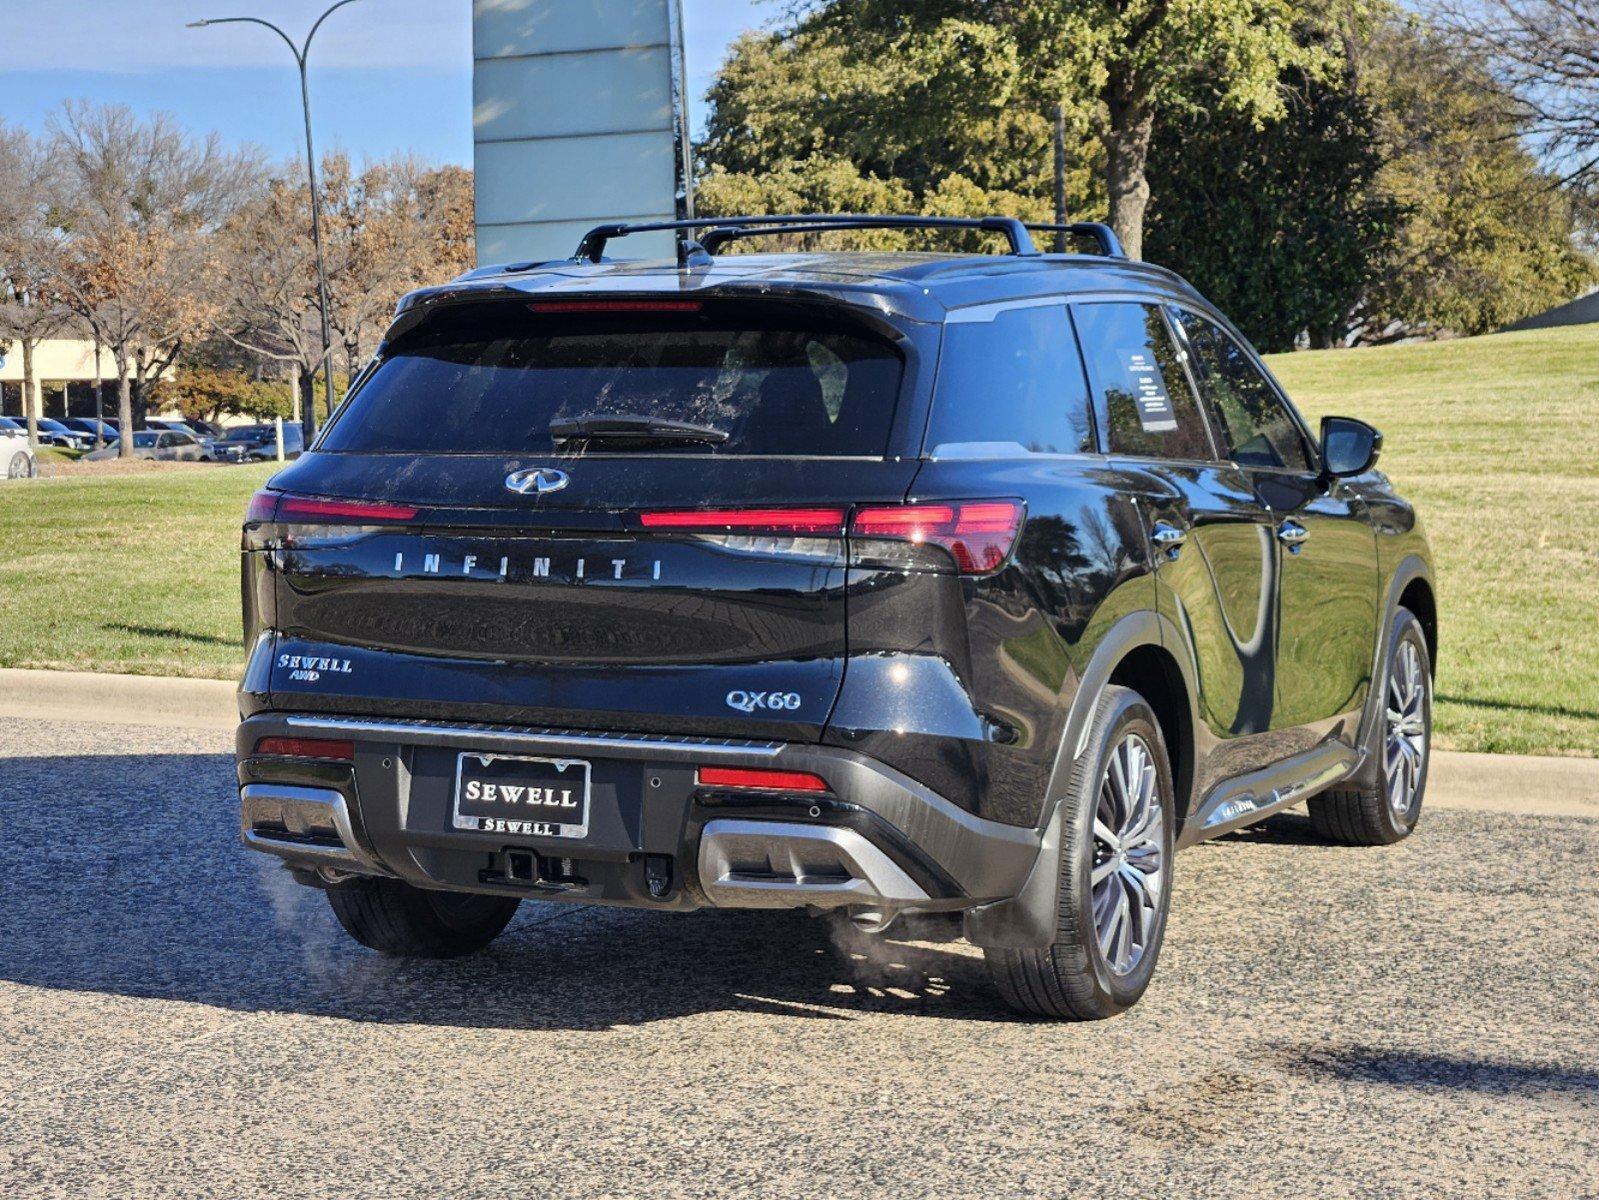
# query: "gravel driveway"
177, 1019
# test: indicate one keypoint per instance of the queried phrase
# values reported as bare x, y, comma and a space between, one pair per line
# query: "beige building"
66, 376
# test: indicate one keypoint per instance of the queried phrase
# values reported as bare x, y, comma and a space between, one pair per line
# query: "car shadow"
1279, 829
123, 874
179, 635
1445, 1072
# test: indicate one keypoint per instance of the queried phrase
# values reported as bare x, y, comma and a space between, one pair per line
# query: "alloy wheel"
1129, 873
1405, 749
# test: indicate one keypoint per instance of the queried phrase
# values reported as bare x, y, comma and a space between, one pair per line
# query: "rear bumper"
656, 839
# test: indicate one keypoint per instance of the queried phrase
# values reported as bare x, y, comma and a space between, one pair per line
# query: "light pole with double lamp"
301, 53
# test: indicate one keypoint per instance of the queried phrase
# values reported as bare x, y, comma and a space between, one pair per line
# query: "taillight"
827, 521
297, 747
761, 779
310, 508
277, 521
977, 534
263, 507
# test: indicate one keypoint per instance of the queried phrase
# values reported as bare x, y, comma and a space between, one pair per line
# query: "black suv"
963, 584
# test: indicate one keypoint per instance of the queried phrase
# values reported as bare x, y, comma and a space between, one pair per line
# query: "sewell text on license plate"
519, 796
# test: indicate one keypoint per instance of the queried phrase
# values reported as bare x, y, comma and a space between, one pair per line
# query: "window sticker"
1155, 412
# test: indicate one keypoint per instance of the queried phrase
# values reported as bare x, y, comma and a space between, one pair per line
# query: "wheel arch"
1135, 652
1153, 673
1409, 587
1417, 595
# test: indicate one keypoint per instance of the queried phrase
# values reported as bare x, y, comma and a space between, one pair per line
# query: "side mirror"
1348, 446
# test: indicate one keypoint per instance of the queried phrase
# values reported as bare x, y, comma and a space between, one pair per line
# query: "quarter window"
1142, 391
1260, 430
1010, 381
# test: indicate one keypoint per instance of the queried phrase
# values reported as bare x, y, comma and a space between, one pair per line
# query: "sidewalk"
1479, 782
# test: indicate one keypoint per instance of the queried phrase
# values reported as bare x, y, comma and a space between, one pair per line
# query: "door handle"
1293, 535
1168, 538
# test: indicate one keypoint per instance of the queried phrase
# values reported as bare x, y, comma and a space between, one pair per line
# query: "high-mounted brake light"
828, 521
310, 508
763, 780
297, 747
616, 306
978, 534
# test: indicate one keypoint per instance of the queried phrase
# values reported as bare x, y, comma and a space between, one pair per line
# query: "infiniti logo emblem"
540, 480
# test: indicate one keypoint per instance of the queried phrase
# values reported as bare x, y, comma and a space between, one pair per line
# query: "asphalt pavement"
178, 1019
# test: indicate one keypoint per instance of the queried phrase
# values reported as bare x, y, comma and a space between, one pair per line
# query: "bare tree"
269, 265
135, 230
29, 312
1546, 54
392, 226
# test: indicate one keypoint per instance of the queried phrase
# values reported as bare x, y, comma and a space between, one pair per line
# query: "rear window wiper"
626, 430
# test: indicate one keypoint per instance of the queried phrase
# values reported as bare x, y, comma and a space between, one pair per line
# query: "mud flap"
1029, 919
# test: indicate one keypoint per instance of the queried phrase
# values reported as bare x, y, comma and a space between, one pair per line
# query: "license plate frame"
520, 822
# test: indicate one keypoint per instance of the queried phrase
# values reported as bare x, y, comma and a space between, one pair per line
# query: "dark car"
971, 585
57, 433
255, 443
89, 426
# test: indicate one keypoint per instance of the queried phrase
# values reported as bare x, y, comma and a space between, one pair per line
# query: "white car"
17, 459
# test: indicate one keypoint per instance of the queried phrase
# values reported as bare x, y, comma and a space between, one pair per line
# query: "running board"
1235, 803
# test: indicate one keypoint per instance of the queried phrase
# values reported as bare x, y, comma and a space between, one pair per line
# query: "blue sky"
387, 75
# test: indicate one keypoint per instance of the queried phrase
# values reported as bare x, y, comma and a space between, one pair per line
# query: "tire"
21, 466
1082, 976
1386, 812
402, 921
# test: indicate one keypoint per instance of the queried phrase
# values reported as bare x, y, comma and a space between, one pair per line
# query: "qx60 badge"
540, 481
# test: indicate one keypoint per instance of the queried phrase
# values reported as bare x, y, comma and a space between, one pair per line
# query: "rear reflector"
978, 534
770, 781
766, 520
293, 747
615, 306
309, 508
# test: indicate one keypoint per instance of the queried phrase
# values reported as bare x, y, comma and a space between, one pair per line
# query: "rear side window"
1260, 431
1010, 381
1143, 394
491, 378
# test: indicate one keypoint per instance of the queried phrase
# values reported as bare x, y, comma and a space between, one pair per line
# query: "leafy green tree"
872, 107
962, 89
1283, 225
1490, 236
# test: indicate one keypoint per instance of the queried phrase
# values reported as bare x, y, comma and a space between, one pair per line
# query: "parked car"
17, 459
88, 425
51, 432
886, 584
256, 443
162, 445
175, 425
58, 433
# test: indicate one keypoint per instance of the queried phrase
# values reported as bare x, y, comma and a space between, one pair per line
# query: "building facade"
66, 375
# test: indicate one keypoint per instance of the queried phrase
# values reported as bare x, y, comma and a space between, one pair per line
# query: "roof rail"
1109, 244
725, 229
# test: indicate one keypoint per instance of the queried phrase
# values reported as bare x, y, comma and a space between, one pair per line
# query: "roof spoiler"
719, 231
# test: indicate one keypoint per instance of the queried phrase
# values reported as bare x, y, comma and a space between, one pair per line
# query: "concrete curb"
1514, 783
118, 699
1507, 783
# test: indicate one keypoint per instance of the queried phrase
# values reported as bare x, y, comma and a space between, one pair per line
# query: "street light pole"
301, 57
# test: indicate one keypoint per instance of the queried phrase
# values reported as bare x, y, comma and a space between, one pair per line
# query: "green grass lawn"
1496, 438
135, 573
1497, 441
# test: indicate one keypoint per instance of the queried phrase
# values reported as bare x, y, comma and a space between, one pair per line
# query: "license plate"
528, 797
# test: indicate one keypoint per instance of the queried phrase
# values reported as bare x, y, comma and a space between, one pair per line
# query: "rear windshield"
490, 379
